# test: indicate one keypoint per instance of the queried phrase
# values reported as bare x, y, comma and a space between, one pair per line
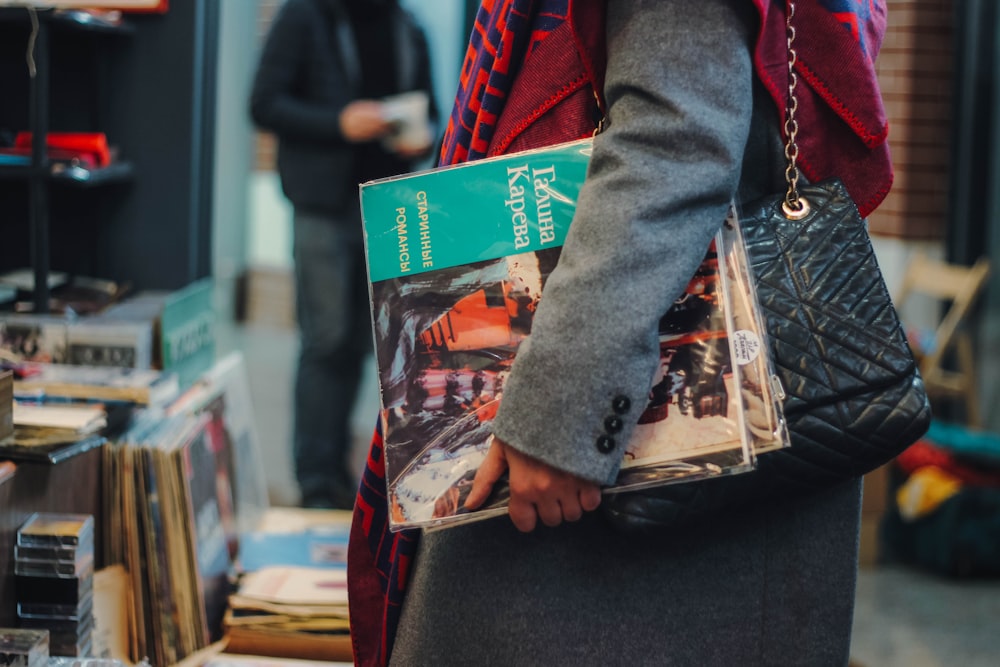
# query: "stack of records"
23, 648
54, 573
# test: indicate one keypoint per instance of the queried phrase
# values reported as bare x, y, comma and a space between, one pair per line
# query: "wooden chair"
954, 289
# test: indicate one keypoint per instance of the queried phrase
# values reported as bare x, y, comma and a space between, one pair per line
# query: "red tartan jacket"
555, 96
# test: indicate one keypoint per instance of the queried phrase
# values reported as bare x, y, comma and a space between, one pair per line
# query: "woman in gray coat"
688, 127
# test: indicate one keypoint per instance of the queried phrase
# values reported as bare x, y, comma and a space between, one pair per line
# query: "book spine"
6, 404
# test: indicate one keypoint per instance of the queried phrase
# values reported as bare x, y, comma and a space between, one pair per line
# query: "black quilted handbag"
854, 397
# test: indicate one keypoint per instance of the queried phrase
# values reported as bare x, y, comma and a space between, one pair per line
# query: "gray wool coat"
769, 585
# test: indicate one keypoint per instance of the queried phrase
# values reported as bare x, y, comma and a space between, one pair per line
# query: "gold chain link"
794, 206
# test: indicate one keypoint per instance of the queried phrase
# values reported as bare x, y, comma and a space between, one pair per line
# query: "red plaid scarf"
379, 560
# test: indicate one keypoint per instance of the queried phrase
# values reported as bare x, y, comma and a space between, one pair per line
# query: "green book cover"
457, 261
187, 331
478, 211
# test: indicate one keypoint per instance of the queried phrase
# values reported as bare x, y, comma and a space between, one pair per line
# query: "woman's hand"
537, 490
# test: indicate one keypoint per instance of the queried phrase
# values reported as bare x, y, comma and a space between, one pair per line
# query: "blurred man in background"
345, 86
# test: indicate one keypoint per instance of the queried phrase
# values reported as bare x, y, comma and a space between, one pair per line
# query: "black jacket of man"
310, 69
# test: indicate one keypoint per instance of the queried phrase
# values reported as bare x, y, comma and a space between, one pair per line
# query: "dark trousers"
335, 338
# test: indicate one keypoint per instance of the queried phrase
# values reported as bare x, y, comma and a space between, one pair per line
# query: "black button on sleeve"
613, 424
621, 404
605, 444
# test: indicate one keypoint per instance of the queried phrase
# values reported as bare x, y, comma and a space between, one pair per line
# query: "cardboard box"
267, 297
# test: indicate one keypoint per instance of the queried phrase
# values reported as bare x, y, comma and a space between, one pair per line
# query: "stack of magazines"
457, 261
291, 611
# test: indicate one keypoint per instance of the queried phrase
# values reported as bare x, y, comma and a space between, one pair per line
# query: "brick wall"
265, 142
915, 72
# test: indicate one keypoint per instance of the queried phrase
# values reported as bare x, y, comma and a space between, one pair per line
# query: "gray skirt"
770, 586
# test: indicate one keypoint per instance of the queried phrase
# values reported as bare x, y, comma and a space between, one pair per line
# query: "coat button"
613, 424
621, 404
605, 444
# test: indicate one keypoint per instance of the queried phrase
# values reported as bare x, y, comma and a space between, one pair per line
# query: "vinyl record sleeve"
763, 394
457, 261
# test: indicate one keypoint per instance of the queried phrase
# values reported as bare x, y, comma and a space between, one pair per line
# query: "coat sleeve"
283, 98
679, 98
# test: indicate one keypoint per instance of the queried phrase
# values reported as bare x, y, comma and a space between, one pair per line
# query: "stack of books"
296, 612
143, 386
291, 599
51, 429
54, 578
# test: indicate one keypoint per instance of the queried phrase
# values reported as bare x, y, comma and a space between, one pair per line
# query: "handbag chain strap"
795, 206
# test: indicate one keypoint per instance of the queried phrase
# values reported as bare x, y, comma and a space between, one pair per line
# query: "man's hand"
537, 490
364, 120
413, 152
